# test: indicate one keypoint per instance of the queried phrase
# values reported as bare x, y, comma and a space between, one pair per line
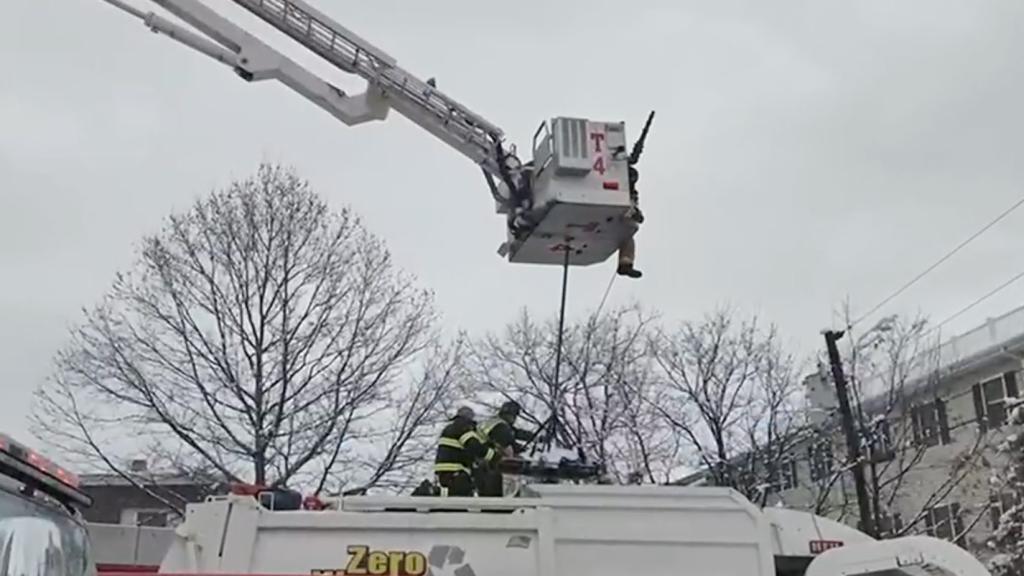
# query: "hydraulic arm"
388, 85
567, 206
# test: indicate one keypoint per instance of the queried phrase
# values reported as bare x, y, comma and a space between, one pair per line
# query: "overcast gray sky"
804, 152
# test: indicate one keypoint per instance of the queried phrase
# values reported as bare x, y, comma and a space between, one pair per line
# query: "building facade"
930, 439
150, 500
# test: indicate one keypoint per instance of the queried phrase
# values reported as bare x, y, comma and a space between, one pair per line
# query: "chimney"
138, 465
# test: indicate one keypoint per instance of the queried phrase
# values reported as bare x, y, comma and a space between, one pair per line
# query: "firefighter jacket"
498, 432
460, 447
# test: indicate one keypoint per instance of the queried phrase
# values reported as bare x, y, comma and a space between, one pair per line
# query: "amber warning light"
32, 468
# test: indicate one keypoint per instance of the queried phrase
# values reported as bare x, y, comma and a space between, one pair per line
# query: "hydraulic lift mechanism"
571, 197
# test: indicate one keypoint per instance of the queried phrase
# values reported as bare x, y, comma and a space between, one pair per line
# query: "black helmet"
511, 408
465, 412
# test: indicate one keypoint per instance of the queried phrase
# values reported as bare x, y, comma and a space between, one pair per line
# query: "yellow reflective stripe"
490, 454
450, 442
486, 428
449, 467
468, 435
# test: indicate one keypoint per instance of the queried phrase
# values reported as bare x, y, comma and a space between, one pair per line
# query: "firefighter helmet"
511, 408
465, 412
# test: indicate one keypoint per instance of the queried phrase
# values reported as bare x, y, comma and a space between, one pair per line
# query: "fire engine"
41, 527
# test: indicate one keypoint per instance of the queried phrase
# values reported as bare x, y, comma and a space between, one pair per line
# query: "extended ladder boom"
570, 205
389, 86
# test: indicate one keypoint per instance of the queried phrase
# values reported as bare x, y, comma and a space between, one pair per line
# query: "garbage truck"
544, 530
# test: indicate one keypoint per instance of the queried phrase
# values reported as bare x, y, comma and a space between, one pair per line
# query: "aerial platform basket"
579, 195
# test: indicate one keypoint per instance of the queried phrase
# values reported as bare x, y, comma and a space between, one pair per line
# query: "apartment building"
931, 445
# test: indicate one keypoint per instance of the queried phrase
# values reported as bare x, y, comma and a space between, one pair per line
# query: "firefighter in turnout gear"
501, 435
633, 219
460, 450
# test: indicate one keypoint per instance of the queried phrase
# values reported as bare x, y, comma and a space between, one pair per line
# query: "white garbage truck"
546, 530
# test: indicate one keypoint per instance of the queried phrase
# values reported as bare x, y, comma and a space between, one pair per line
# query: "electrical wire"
558, 353
552, 438
607, 290
938, 263
978, 301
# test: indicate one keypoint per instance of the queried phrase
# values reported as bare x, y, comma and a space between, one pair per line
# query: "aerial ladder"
566, 206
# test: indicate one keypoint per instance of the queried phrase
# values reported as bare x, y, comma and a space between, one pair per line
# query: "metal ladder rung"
316, 32
329, 43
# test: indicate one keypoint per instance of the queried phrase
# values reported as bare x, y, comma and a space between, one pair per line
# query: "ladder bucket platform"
579, 195
591, 233
572, 198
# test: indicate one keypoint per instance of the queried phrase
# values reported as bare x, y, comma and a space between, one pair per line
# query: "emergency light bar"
31, 468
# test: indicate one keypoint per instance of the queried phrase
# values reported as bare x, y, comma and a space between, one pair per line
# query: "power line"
939, 262
607, 290
990, 294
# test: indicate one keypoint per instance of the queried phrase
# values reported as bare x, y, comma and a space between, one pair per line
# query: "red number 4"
599, 165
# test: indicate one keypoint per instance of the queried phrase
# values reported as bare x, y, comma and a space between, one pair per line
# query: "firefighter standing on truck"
500, 434
460, 450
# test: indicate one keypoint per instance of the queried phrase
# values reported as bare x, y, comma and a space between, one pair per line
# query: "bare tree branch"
258, 335
605, 371
732, 393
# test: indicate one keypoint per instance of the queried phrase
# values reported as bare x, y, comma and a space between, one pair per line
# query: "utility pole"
850, 432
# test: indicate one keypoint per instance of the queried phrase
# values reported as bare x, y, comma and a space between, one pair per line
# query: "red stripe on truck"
124, 569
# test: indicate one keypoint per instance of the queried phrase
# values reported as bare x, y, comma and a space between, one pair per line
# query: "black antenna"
638, 148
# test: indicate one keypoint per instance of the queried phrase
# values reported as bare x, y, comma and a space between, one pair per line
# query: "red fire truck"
42, 532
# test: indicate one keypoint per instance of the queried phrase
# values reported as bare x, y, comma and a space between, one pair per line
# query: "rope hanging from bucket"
553, 431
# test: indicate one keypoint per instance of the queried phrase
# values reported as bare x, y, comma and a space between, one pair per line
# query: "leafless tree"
729, 390
1008, 539
893, 369
596, 396
261, 337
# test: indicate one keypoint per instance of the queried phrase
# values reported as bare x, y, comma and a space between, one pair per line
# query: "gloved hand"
636, 215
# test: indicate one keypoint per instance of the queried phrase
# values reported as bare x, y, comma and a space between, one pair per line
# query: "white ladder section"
389, 86
420, 102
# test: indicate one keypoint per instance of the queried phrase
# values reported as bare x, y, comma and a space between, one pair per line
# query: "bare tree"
729, 390
400, 452
597, 395
261, 336
647, 451
1008, 539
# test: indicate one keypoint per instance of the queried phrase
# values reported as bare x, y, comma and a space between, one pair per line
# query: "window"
990, 399
883, 437
38, 538
889, 525
820, 458
1000, 504
789, 474
944, 522
878, 441
931, 425
138, 517
782, 475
